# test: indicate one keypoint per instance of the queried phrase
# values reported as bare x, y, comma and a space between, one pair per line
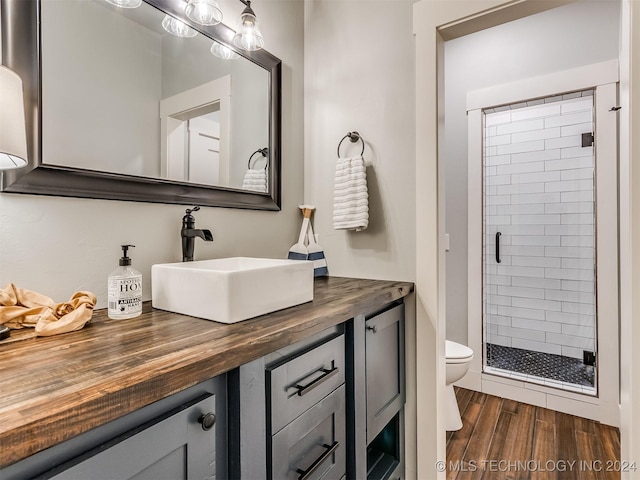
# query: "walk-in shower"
539, 242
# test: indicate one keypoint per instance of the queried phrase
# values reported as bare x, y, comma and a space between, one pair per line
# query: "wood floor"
504, 439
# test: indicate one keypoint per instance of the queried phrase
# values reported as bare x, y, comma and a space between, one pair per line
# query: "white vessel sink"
229, 290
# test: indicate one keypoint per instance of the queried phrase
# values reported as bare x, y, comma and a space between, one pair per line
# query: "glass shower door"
539, 278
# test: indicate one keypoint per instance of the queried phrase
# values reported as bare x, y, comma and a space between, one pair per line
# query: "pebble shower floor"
539, 364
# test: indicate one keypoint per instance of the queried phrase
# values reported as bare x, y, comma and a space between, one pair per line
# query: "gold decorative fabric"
22, 308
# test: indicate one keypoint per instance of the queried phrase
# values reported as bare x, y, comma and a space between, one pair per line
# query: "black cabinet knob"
207, 421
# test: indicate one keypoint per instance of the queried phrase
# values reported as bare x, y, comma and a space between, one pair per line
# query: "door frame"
175, 110
434, 21
603, 78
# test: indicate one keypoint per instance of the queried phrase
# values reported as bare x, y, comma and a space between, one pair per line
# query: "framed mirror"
120, 108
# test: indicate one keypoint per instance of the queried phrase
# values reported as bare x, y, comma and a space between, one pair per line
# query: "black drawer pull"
327, 374
304, 474
498, 235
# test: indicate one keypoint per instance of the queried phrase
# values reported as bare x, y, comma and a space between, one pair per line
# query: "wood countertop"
54, 388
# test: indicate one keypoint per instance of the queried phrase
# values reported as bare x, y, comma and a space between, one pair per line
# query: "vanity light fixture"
204, 12
177, 28
207, 13
125, 3
248, 36
13, 133
223, 52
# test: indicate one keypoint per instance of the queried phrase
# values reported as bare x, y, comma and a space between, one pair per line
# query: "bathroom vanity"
307, 392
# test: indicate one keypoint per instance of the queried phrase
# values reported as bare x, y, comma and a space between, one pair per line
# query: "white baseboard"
471, 381
542, 396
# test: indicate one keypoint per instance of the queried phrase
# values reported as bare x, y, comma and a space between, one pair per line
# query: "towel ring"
353, 137
264, 151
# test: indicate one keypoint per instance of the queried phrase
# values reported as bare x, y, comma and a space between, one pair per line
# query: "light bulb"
223, 52
125, 3
177, 28
248, 36
204, 12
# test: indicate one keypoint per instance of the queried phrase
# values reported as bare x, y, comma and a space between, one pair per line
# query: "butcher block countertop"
54, 388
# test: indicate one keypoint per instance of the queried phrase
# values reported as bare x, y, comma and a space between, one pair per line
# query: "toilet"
458, 358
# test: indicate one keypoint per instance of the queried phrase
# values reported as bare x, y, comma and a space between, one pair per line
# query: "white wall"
102, 41
58, 245
249, 122
502, 54
359, 76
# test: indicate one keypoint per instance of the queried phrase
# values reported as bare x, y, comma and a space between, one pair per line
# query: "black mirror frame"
21, 53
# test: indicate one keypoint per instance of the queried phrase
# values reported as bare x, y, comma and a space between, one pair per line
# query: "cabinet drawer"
297, 384
313, 445
173, 446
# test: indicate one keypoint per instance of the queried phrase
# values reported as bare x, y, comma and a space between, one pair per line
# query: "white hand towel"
256, 180
350, 198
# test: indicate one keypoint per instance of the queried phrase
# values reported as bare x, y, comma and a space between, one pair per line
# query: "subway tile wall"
539, 193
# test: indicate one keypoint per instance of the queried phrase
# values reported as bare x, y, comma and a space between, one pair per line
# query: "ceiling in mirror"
122, 95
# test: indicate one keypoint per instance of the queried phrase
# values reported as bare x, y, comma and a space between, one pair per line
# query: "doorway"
195, 127
434, 23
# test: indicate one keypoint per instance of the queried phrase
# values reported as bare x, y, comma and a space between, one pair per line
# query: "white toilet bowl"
458, 358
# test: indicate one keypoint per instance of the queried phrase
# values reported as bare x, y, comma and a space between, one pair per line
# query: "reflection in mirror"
194, 134
203, 148
122, 95
257, 178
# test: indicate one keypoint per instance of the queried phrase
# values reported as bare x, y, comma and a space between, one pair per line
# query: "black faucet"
189, 234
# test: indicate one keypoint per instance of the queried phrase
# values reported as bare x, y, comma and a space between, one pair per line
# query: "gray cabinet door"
174, 446
312, 447
384, 346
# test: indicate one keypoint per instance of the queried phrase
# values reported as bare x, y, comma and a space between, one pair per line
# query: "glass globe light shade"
248, 36
13, 135
177, 28
204, 12
125, 3
224, 52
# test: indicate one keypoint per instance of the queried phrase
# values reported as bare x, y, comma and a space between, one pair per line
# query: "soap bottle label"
125, 295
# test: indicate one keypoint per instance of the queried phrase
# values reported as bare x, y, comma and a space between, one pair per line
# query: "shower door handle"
498, 234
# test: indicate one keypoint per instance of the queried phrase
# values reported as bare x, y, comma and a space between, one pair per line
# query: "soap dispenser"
125, 289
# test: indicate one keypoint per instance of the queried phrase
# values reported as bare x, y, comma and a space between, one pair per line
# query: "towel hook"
353, 137
264, 152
